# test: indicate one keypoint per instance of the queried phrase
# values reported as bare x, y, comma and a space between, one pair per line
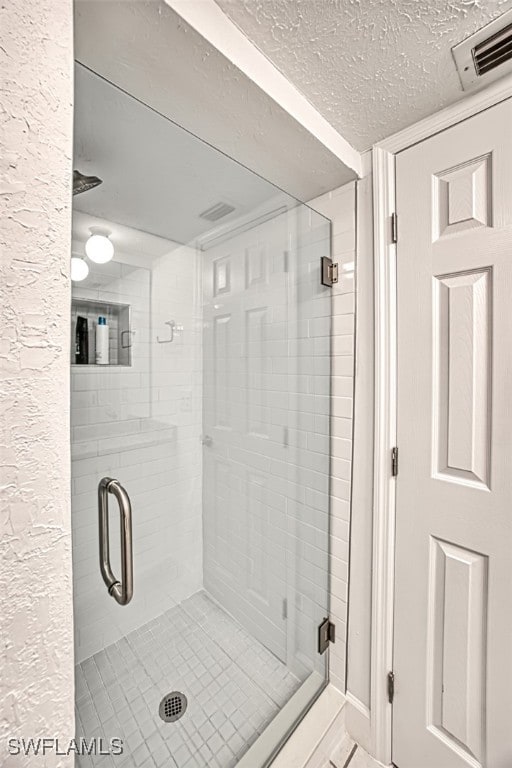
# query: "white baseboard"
330, 744
304, 741
357, 721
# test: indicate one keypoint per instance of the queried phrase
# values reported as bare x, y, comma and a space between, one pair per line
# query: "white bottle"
102, 341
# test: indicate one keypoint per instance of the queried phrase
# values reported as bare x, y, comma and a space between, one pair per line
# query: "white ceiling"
132, 246
370, 67
157, 177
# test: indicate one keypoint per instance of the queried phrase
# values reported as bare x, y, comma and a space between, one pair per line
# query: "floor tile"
233, 684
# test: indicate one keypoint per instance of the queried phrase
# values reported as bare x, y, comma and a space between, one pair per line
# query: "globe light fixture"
79, 269
99, 248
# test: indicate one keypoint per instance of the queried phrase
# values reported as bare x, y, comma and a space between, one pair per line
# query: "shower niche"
118, 323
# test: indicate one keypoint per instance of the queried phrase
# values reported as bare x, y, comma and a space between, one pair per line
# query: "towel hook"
172, 326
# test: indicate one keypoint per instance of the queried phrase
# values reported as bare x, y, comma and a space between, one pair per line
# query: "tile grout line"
253, 681
155, 633
349, 758
244, 672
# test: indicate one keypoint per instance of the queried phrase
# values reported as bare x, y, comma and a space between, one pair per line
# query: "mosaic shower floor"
233, 684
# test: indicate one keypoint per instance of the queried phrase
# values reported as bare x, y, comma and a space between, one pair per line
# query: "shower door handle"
121, 590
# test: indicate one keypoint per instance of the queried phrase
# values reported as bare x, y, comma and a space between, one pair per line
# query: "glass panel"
204, 391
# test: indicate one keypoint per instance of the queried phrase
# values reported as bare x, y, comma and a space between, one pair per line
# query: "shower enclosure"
206, 433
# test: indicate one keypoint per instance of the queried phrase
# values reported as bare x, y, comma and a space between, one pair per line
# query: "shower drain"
172, 706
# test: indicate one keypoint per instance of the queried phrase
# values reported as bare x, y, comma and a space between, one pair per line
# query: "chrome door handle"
121, 591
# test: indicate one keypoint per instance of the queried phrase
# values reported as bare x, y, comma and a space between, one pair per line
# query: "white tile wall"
340, 207
267, 525
140, 424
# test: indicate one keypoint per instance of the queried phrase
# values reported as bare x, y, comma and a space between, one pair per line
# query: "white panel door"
245, 331
453, 612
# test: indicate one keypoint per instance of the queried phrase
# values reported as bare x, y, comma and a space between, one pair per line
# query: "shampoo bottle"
102, 341
82, 341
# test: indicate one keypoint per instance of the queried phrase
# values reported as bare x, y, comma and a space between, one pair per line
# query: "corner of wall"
36, 684
340, 207
361, 534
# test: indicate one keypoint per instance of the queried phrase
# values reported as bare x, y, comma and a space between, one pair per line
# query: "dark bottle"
82, 341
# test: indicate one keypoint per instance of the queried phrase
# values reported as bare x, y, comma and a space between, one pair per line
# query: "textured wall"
36, 633
370, 67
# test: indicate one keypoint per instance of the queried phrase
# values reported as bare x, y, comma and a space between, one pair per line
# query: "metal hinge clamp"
328, 271
394, 228
394, 462
391, 687
326, 635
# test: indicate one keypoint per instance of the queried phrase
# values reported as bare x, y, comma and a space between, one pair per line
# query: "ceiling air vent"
493, 52
217, 211
486, 55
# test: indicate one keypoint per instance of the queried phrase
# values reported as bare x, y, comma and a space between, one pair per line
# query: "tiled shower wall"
130, 423
340, 207
306, 396
266, 375
145, 431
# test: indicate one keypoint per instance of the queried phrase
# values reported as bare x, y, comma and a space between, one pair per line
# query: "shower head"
82, 183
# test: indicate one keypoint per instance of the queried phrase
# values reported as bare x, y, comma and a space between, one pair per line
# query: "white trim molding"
300, 746
357, 720
210, 21
385, 440
386, 396
445, 118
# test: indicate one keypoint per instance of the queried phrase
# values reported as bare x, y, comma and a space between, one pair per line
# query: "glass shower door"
211, 411
266, 374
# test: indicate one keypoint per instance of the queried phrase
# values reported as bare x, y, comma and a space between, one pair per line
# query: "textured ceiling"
370, 67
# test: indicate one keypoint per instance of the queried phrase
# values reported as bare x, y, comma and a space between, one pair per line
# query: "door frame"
385, 397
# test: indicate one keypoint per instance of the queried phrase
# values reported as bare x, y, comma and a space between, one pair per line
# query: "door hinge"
394, 462
394, 228
391, 687
326, 635
328, 271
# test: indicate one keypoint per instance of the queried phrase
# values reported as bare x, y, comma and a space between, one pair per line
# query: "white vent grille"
486, 55
493, 52
217, 211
